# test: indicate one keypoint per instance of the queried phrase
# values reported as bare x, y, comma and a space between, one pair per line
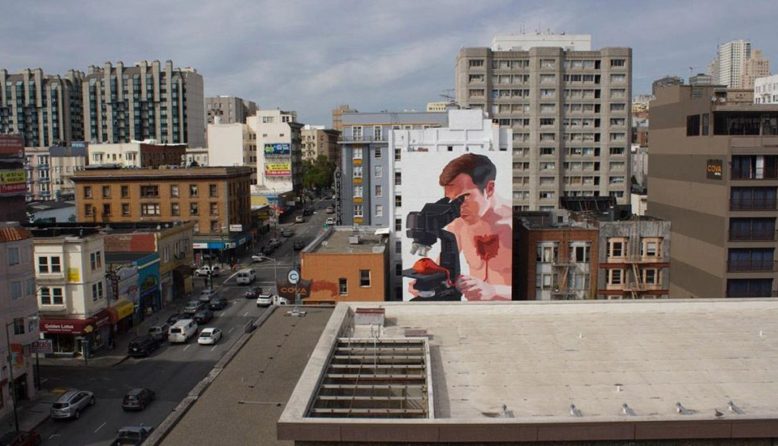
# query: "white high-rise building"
728, 66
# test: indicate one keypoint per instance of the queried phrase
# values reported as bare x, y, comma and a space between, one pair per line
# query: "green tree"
317, 174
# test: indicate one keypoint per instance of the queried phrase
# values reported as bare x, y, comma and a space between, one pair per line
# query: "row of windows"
153, 209
512, 64
152, 191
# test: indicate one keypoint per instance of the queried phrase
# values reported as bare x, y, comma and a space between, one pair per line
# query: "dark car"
287, 232
203, 316
192, 307
217, 303
20, 438
253, 293
138, 398
132, 435
142, 346
175, 317
307, 211
299, 244
159, 331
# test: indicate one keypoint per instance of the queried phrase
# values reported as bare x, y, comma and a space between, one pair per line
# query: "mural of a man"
483, 230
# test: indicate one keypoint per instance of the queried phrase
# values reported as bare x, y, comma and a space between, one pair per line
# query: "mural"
458, 236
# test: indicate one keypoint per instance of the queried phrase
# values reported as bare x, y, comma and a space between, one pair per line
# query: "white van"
182, 331
246, 276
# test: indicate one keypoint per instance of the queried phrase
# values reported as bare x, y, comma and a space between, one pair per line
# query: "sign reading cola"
287, 290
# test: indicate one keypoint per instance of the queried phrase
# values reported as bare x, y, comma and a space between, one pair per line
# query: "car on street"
159, 331
207, 294
138, 398
307, 211
259, 258
299, 219
192, 307
21, 438
330, 210
330, 221
287, 232
271, 246
209, 336
71, 403
203, 271
132, 435
252, 293
218, 303
142, 346
246, 276
265, 300
299, 244
203, 316
175, 317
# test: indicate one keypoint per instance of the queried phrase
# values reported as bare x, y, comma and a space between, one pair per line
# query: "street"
173, 370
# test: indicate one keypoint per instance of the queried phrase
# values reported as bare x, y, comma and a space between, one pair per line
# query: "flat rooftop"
339, 241
565, 370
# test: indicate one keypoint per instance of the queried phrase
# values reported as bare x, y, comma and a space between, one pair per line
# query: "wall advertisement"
457, 237
281, 168
278, 149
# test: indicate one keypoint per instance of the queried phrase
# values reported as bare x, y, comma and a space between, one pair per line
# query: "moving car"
71, 403
21, 438
182, 331
271, 246
217, 303
299, 219
192, 307
246, 276
253, 293
207, 294
330, 210
138, 398
299, 244
209, 336
258, 258
307, 211
142, 346
330, 221
203, 316
159, 331
287, 232
132, 435
203, 271
265, 300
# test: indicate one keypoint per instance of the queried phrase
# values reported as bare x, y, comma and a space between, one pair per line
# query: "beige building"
337, 116
49, 171
196, 156
228, 109
755, 67
233, 145
135, 154
18, 315
318, 141
714, 175
569, 110
148, 101
45, 110
279, 151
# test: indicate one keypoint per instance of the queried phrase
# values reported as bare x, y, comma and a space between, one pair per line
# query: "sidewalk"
31, 413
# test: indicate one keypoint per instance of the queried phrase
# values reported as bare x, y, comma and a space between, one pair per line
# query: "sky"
310, 56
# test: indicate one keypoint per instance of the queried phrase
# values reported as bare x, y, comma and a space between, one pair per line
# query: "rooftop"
567, 370
167, 171
340, 240
12, 232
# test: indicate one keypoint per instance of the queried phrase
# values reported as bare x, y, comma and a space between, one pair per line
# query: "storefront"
150, 297
223, 249
121, 315
77, 336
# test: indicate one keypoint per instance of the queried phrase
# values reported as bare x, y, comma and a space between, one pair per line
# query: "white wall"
275, 132
225, 144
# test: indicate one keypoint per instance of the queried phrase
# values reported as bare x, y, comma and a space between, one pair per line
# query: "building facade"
232, 145
346, 265
228, 109
318, 141
766, 90
729, 64
44, 110
713, 175
18, 315
366, 163
196, 157
569, 111
147, 101
337, 116
48, 171
755, 67
137, 155
13, 179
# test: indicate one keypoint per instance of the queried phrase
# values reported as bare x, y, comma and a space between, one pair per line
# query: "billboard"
278, 168
457, 237
13, 181
278, 149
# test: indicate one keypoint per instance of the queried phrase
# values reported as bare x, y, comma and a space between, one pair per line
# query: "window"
193, 190
13, 255
693, 125
149, 191
357, 171
650, 276
194, 209
267, 119
214, 209
343, 286
43, 265
149, 209
581, 253
616, 248
650, 248
358, 191
174, 191
379, 210
215, 226
379, 191
398, 201
358, 210
95, 260
398, 224
213, 191
474, 63
364, 277
377, 151
106, 209
125, 210
88, 210
615, 276
547, 253
97, 291
15, 287
377, 135
175, 209
356, 135
18, 326
125, 191
87, 191
618, 62
106, 191
398, 179
379, 171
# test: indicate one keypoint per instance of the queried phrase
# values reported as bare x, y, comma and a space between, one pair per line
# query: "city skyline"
366, 50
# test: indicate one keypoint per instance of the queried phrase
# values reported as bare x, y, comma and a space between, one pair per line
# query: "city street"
173, 370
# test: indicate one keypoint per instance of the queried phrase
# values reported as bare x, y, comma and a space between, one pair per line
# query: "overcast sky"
377, 55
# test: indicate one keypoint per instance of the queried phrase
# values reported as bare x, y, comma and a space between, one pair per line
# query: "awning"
121, 309
72, 326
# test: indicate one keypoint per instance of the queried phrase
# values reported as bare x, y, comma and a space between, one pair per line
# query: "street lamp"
11, 387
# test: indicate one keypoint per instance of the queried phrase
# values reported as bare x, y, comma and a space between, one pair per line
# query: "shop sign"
42, 346
714, 169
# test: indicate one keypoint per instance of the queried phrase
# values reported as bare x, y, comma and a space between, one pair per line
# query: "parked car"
287, 232
207, 294
209, 336
253, 293
182, 331
299, 219
217, 303
203, 271
21, 438
330, 221
271, 246
159, 331
71, 403
203, 316
138, 398
143, 346
132, 435
330, 210
307, 211
192, 307
299, 244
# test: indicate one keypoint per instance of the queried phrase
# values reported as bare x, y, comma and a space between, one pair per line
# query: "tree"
317, 174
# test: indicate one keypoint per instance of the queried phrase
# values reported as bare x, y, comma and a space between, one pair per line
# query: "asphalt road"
173, 370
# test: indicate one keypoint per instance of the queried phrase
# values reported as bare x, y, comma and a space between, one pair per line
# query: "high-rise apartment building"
44, 110
714, 175
365, 168
228, 109
319, 141
729, 64
755, 67
569, 111
147, 101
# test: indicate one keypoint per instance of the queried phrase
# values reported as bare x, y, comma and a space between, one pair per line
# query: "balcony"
751, 236
752, 265
753, 204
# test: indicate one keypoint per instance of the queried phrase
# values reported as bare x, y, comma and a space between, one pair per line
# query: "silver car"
71, 403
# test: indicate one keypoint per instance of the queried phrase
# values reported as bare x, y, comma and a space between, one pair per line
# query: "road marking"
230, 330
187, 347
245, 314
213, 348
101, 426
54, 436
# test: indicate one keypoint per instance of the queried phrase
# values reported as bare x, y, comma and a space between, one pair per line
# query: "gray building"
714, 174
44, 110
366, 164
147, 101
570, 114
228, 109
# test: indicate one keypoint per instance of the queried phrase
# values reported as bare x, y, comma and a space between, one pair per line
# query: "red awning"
73, 326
